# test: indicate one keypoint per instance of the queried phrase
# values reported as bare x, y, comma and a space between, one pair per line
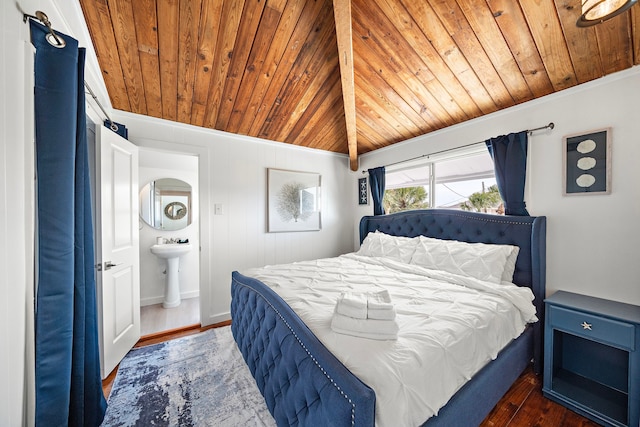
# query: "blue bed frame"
304, 384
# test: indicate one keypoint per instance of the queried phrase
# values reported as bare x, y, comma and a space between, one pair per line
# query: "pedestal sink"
171, 252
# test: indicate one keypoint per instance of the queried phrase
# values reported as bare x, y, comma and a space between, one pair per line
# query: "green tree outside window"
404, 199
482, 201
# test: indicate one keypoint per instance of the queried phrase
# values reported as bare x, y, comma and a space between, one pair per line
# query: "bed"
304, 383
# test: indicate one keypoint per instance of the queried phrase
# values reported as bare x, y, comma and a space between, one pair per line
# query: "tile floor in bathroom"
155, 318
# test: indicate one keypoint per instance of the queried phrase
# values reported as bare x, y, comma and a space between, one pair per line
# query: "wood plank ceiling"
271, 68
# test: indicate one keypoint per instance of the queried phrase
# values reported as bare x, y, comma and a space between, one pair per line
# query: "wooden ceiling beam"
342, 16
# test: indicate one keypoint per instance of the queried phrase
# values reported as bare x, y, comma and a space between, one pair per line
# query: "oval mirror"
165, 204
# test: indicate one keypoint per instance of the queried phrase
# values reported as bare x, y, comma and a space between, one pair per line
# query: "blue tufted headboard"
526, 232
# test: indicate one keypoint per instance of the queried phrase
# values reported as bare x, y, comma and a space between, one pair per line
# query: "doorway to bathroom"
169, 213
156, 319
147, 315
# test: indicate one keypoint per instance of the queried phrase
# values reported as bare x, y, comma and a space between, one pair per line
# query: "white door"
118, 276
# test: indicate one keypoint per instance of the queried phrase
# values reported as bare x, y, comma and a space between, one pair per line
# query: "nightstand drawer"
594, 327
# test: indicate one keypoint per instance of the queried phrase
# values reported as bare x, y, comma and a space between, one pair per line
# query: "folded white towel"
365, 328
352, 305
379, 306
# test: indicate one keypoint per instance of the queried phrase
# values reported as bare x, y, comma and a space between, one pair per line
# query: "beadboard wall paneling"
233, 173
592, 241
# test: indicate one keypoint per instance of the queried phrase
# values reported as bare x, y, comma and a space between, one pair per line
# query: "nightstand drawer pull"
586, 326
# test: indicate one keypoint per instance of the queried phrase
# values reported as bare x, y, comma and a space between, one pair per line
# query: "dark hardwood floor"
522, 406
525, 406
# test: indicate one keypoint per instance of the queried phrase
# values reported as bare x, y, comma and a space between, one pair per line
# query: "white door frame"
206, 230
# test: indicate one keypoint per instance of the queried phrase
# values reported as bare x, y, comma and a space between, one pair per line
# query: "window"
459, 179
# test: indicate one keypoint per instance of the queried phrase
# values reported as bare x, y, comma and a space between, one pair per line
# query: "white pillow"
482, 261
510, 266
383, 245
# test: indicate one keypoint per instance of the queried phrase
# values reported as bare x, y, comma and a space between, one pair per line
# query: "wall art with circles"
587, 163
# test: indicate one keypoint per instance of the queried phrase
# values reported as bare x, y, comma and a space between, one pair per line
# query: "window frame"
431, 160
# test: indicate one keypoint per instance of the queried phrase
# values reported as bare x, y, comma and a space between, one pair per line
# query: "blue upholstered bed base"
304, 384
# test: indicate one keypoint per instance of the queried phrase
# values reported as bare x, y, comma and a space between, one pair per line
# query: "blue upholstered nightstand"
592, 357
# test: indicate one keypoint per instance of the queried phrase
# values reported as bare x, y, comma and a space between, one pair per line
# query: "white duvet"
450, 326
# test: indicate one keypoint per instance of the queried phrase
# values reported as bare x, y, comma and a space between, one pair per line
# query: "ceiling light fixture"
597, 11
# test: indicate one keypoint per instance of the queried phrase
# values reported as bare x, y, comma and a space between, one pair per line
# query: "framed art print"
363, 192
586, 160
293, 201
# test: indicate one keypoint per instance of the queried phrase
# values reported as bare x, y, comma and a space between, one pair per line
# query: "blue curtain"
376, 182
68, 384
118, 128
509, 154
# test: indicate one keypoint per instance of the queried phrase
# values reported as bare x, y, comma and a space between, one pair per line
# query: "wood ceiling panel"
168, 13
385, 33
447, 63
581, 42
319, 114
332, 136
385, 76
315, 93
408, 45
187, 54
98, 18
229, 23
368, 113
124, 29
247, 34
296, 93
368, 138
376, 104
144, 15
483, 25
241, 122
547, 32
303, 36
512, 24
271, 68
321, 36
267, 30
614, 42
389, 98
469, 46
208, 31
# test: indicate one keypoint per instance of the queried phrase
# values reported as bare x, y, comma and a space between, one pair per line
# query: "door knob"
108, 265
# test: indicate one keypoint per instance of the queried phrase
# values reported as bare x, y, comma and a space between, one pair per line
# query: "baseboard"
177, 333
216, 319
159, 299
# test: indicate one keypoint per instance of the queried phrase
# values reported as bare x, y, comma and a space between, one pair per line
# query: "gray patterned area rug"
198, 380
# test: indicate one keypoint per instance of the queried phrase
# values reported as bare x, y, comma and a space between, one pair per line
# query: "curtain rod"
57, 41
53, 39
112, 124
529, 131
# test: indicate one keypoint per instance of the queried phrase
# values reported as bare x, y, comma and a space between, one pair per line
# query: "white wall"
232, 173
155, 165
592, 241
16, 218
